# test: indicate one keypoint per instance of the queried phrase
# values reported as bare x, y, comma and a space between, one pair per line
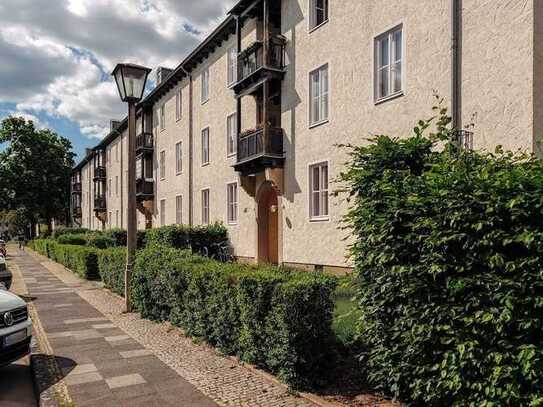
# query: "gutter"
456, 64
191, 161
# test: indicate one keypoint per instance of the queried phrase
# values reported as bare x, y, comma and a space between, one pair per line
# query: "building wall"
500, 66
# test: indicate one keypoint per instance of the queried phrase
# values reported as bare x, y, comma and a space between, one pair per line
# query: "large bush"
63, 230
277, 319
449, 252
186, 237
70, 238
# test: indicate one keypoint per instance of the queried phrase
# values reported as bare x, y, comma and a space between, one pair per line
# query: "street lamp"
130, 81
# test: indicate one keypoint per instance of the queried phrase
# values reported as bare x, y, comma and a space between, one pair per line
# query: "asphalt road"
16, 389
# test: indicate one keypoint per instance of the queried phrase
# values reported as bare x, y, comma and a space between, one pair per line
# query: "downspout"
191, 164
456, 64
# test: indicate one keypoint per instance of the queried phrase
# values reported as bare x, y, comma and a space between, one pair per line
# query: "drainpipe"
456, 64
191, 181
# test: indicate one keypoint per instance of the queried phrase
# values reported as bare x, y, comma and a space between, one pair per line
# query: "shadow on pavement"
50, 369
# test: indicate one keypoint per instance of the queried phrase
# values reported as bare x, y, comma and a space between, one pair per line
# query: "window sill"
203, 102
232, 223
319, 219
231, 155
318, 124
389, 97
205, 164
178, 173
178, 120
312, 30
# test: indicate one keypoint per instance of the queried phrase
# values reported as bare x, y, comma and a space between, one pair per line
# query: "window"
162, 119
109, 187
179, 209
231, 134
318, 181
318, 14
178, 159
205, 85
232, 64
232, 203
117, 218
162, 164
205, 206
205, 146
388, 63
116, 185
162, 212
178, 105
117, 152
318, 95
110, 220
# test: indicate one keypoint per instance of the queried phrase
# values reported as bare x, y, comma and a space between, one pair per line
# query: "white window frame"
162, 113
232, 202
312, 22
231, 66
392, 62
116, 218
109, 188
324, 93
321, 192
116, 185
205, 205
178, 104
205, 146
178, 157
179, 209
162, 164
231, 134
204, 90
162, 212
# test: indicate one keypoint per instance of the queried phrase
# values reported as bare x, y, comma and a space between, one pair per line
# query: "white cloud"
57, 54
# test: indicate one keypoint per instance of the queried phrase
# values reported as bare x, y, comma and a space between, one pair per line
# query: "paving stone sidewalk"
101, 364
109, 351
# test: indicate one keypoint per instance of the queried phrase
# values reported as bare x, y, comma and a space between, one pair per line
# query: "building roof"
206, 47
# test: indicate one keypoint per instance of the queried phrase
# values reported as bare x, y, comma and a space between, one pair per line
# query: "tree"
35, 169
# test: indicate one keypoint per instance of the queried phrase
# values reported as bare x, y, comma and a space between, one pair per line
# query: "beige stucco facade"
500, 55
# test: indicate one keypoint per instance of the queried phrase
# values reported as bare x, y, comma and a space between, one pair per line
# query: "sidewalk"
108, 358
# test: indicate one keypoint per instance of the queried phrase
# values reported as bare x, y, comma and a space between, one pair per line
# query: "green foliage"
275, 318
63, 230
111, 266
99, 240
75, 239
118, 236
449, 253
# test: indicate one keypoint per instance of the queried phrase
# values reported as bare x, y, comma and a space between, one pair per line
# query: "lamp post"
130, 81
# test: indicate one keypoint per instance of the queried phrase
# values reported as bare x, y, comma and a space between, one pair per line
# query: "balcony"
144, 143
145, 189
99, 173
76, 187
100, 204
253, 69
77, 212
257, 151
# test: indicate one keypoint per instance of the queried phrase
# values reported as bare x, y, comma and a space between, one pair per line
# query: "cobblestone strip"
223, 379
48, 383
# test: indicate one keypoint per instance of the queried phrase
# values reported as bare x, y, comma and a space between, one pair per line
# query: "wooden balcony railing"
144, 188
100, 204
251, 59
144, 142
253, 143
76, 188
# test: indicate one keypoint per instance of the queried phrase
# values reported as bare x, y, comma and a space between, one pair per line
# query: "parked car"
5, 275
15, 328
3, 251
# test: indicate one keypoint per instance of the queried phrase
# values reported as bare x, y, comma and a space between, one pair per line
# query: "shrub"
80, 259
63, 230
118, 236
449, 251
111, 266
276, 318
68, 238
100, 241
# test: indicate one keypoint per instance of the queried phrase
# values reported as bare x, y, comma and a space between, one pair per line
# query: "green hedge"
449, 252
111, 266
100, 241
75, 239
276, 318
62, 230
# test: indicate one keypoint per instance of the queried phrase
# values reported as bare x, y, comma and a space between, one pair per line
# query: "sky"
57, 55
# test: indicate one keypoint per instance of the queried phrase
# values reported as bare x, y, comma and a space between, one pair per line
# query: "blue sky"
57, 55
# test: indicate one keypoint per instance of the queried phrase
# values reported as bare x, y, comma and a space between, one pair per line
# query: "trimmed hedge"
80, 259
62, 230
74, 239
276, 318
100, 241
449, 253
111, 266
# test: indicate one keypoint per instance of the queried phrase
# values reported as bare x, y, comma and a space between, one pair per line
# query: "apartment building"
245, 130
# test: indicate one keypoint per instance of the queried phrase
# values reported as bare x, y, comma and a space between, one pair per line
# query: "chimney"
114, 125
161, 74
